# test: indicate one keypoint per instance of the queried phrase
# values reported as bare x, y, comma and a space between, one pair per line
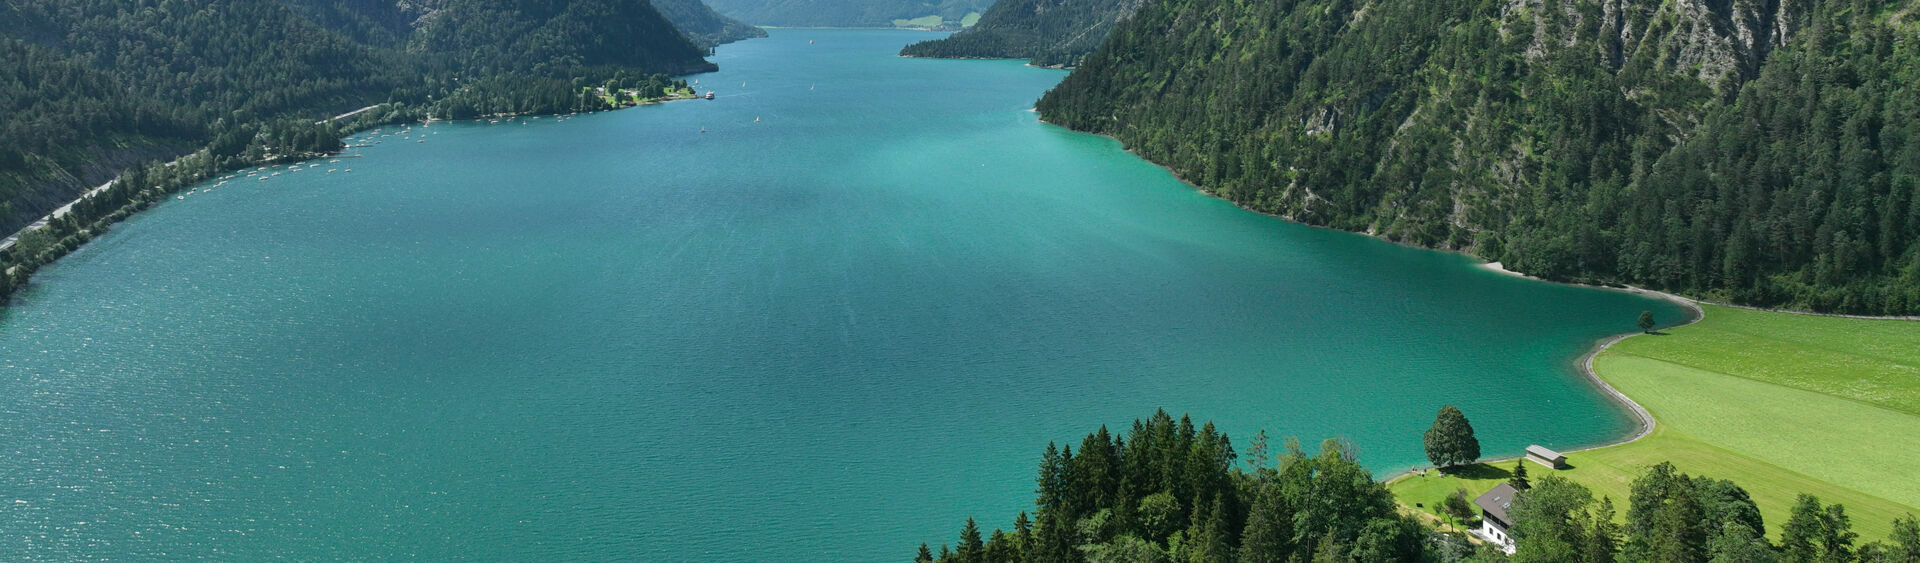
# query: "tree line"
1171, 491
1764, 153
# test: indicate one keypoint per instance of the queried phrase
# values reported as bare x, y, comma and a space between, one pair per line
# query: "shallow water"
832, 334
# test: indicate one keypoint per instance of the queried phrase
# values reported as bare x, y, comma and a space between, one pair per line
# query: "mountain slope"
96, 86
546, 35
91, 87
1759, 151
1048, 32
845, 13
703, 25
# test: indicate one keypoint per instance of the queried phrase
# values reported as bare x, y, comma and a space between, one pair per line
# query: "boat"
709, 95
756, 120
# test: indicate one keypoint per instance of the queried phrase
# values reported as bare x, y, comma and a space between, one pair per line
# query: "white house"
1493, 516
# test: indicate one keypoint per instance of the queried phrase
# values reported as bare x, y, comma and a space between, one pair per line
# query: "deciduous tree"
1450, 441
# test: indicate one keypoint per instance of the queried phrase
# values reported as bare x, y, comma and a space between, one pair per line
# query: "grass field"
1781, 404
922, 21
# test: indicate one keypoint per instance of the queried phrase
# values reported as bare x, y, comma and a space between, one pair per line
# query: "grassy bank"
1779, 403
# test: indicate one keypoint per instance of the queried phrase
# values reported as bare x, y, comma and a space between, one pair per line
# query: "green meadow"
922, 21
1781, 404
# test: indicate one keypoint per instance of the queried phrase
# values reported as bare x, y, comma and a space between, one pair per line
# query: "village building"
1543, 456
1494, 521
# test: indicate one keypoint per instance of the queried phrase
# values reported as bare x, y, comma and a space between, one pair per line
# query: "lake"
846, 317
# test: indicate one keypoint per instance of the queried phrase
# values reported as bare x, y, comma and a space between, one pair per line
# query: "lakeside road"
347, 114
58, 212
7, 243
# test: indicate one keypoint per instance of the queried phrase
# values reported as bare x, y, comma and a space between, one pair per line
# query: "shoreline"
1644, 421
354, 127
1029, 62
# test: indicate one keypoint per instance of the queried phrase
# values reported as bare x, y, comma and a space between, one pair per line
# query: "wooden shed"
1543, 456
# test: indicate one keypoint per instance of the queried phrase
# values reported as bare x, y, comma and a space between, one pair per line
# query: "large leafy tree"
1450, 441
1550, 521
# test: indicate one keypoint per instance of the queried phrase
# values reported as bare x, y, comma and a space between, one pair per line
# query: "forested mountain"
1048, 32
846, 13
1760, 151
90, 87
547, 35
703, 25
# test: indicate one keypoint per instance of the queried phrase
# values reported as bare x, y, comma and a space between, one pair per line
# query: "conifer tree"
1207, 539
1001, 548
1519, 478
1269, 531
971, 548
1603, 536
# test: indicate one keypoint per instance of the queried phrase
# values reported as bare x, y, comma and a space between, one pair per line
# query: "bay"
847, 316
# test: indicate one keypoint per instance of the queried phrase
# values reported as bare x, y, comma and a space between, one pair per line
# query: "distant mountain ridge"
1047, 32
703, 25
1764, 152
846, 13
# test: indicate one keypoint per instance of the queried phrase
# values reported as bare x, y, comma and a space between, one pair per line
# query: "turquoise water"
832, 334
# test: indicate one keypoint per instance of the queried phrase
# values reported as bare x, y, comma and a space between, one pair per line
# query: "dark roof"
1496, 502
1540, 451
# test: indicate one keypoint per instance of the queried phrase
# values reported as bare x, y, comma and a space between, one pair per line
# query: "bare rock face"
1719, 42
